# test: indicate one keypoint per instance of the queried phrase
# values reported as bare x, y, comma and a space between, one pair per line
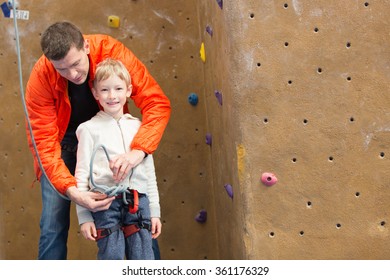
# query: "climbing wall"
165, 36
279, 130
304, 88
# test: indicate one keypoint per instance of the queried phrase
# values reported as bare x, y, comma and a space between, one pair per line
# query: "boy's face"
112, 95
75, 65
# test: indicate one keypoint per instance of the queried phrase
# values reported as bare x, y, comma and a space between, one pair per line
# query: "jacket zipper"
123, 140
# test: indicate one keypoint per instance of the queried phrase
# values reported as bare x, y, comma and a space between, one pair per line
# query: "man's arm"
148, 97
42, 110
90, 200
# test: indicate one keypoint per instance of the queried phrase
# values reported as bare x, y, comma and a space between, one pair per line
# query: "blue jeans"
54, 224
55, 218
115, 246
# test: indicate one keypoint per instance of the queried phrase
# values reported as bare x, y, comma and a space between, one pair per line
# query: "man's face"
75, 65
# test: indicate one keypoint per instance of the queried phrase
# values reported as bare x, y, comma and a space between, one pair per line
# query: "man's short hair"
58, 38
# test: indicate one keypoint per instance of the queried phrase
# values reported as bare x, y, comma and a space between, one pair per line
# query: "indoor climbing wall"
278, 143
165, 37
300, 141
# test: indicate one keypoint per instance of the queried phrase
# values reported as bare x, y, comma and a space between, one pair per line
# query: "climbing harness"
130, 198
128, 230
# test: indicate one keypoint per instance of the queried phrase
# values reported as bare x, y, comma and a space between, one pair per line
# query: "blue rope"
109, 191
24, 102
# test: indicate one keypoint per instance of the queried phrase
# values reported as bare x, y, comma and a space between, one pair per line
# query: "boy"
119, 231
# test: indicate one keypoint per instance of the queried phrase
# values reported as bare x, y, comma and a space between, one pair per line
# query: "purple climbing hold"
229, 190
220, 3
219, 96
201, 217
208, 139
209, 30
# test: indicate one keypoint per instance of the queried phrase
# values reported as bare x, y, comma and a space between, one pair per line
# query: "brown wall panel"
165, 36
305, 96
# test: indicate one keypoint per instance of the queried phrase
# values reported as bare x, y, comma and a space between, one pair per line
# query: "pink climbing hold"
269, 179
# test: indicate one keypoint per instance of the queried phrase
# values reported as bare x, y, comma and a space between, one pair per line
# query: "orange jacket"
49, 107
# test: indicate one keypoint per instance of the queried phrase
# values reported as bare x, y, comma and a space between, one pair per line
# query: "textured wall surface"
165, 36
305, 96
304, 88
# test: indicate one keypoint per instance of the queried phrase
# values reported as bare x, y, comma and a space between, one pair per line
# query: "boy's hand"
88, 230
156, 227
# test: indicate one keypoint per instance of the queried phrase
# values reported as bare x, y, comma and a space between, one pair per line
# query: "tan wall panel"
164, 35
305, 94
304, 86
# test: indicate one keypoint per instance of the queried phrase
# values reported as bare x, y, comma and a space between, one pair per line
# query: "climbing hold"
113, 21
201, 217
208, 139
268, 179
219, 96
6, 10
202, 53
229, 190
193, 99
220, 3
209, 30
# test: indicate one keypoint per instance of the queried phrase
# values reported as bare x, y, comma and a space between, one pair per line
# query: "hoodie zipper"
123, 140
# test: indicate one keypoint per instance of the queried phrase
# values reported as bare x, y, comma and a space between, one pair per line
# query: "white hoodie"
116, 137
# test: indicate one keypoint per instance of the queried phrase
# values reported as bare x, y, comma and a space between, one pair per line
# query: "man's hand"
122, 164
92, 201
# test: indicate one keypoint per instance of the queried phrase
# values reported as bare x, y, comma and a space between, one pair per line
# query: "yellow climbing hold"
202, 53
113, 21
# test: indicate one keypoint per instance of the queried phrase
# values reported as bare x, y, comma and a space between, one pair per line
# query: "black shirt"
83, 107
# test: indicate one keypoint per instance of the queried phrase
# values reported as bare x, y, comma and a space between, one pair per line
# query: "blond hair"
109, 67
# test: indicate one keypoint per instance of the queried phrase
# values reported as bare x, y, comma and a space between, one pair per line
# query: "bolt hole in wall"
357, 194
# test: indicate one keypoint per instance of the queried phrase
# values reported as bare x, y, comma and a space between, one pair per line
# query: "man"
59, 98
